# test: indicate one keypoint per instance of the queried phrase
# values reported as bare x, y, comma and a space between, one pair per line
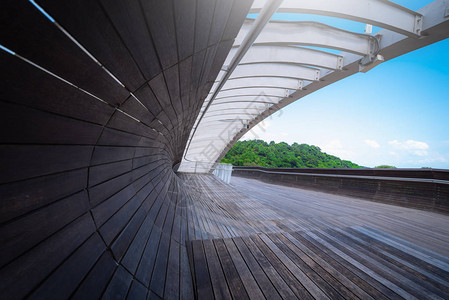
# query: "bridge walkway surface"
254, 240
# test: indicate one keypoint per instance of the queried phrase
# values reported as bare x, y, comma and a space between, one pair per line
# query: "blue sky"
395, 114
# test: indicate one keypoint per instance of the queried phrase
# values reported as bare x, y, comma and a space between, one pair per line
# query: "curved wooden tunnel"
96, 110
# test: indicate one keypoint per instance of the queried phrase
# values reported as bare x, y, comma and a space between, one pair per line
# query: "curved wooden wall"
90, 205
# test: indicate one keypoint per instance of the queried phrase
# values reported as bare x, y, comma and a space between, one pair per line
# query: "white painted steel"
276, 71
308, 34
285, 83
291, 55
250, 91
381, 13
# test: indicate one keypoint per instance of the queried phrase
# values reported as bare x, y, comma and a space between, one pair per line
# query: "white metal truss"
308, 34
272, 65
381, 13
290, 55
276, 70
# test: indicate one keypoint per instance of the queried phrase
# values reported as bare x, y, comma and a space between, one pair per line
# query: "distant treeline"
282, 155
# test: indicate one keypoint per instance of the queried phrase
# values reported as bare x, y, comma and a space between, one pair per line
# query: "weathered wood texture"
417, 188
97, 109
90, 206
271, 241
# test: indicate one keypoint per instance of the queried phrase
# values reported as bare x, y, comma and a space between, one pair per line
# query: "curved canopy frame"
384, 14
271, 66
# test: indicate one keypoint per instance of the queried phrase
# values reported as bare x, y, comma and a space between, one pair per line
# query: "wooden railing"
417, 188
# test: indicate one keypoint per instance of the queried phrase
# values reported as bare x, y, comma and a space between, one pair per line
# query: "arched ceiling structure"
273, 63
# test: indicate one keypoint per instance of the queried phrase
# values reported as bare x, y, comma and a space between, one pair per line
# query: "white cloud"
335, 147
411, 146
372, 143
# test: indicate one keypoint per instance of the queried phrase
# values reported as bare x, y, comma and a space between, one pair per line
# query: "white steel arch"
272, 66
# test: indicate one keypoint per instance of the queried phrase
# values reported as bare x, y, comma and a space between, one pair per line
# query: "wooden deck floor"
257, 241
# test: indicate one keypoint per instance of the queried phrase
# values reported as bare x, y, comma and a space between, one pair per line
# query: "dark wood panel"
96, 281
203, 24
160, 19
128, 19
202, 279
137, 291
23, 162
29, 33
101, 173
185, 27
220, 19
119, 285
20, 235
63, 282
103, 191
220, 287
24, 196
38, 263
21, 124
28, 85
91, 27
104, 154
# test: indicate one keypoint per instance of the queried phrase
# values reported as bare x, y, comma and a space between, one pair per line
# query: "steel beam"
291, 55
309, 34
381, 13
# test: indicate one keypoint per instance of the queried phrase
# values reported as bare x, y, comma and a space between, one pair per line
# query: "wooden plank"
327, 283
219, 285
204, 15
367, 269
306, 288
202, 279
37, 39
281, 286
137, 291
129, 21
96, 281
317, 263
19, 236
233, 279
39, 262
172, 285
48, 93
21, 162
158, 282
119, 285
370, 286
16, 199
63, 282
96, 32
264, 283
253, 290
186, 284
102, 173
387, 270
160, 19
22, 124
430, 272
420, 278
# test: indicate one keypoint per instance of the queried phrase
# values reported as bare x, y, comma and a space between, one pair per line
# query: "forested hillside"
282, 155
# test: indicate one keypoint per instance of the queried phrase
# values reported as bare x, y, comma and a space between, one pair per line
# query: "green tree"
282, 155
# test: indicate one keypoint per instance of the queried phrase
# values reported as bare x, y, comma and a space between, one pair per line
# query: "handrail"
313, 172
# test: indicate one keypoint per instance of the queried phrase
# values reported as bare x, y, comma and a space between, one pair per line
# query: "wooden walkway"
287, 243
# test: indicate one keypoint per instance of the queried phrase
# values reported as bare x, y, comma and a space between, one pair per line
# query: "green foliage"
385, 167
282, 155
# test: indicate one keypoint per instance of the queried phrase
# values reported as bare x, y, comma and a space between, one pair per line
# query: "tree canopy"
282, 155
